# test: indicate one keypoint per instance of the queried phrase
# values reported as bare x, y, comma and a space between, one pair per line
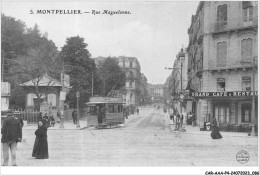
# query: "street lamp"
181, 57
253, 133
77, 95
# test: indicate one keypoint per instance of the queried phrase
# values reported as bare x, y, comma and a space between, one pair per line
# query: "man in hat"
11, 134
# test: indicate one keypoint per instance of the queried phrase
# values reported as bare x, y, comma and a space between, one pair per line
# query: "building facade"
156, 92
223, 59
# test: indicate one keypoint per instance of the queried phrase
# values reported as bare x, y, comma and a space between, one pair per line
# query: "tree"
76, 61
113, 78
26, 55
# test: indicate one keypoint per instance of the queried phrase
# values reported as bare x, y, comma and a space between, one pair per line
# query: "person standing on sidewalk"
74, 116
11, 134
40, 148
215, 134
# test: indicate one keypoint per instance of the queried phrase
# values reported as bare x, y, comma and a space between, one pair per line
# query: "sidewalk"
196, 130
68, 125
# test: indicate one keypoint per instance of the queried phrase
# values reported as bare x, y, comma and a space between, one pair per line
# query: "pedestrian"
74, 116
178, 121
59, 115
215, 134
11, 134
40, 148
193, 119
137, 110
181, 121
39, 117
52, 121
17, 115
46, 120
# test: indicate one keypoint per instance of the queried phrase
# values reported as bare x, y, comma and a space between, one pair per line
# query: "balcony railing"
221, 25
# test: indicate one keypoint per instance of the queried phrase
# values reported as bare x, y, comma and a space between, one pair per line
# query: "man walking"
11, 134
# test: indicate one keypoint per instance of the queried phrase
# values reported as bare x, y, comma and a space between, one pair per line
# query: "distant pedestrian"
59, 115
40, 148
178, 120
137, 110
39, 117
17, 115
193, 119
215, 130
11, 134
52, 121
74, 116
46, 120
181, 121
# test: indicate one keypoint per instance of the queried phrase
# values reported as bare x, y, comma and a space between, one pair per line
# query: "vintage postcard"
129, 88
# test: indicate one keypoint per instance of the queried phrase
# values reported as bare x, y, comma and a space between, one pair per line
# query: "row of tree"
27, 54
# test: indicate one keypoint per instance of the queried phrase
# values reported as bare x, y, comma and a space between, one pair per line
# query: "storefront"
229, 108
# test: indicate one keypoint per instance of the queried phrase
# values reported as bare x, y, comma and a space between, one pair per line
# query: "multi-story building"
178, 80
132, 69
156, 92
143, 90
222, 63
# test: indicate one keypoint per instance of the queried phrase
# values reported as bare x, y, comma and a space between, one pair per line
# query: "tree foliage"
76, 61
26, 55
113, 78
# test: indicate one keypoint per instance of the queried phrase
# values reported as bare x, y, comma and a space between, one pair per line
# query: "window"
221, 84
221, 54
130, 84
123, 63
222, 113
222, 16
246, 112
131, 64
246, 83
246, 49
247, 11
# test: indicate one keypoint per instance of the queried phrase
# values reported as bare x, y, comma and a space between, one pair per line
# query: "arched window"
246, 49
222, 54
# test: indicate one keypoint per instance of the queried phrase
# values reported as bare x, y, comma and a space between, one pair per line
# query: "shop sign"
224, 94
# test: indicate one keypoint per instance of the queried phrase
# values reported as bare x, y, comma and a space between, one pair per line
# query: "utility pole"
61, 98
92, 85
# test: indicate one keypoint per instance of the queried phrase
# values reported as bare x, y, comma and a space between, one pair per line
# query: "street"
145, 140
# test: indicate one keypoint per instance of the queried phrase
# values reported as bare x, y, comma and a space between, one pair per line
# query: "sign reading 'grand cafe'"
223, 94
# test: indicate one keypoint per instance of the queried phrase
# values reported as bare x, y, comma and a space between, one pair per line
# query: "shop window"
246, 113
221, 54
247, 11
221, 84
246, 83
222, 113
246, 49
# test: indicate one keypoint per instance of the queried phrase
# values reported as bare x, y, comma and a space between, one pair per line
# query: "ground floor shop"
232, 113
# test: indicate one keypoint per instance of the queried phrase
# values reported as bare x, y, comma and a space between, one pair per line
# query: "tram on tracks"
105, 112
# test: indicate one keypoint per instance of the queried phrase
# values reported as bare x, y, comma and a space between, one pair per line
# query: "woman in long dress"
40, 148
215, 130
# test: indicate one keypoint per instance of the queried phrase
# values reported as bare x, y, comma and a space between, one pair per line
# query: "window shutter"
221, 54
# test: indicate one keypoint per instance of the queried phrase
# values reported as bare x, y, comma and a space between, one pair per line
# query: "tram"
105, 112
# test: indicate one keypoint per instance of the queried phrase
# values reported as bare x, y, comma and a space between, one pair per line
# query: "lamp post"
253, 133
77, 95
181, 57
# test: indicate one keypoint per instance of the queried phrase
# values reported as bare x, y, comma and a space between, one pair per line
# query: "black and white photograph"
129, 87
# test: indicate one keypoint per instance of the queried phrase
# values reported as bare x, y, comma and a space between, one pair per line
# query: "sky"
153, 32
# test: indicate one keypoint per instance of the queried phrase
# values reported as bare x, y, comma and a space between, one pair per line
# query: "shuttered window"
221, 54
246, 83
246, 49
247, 11
221, 17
